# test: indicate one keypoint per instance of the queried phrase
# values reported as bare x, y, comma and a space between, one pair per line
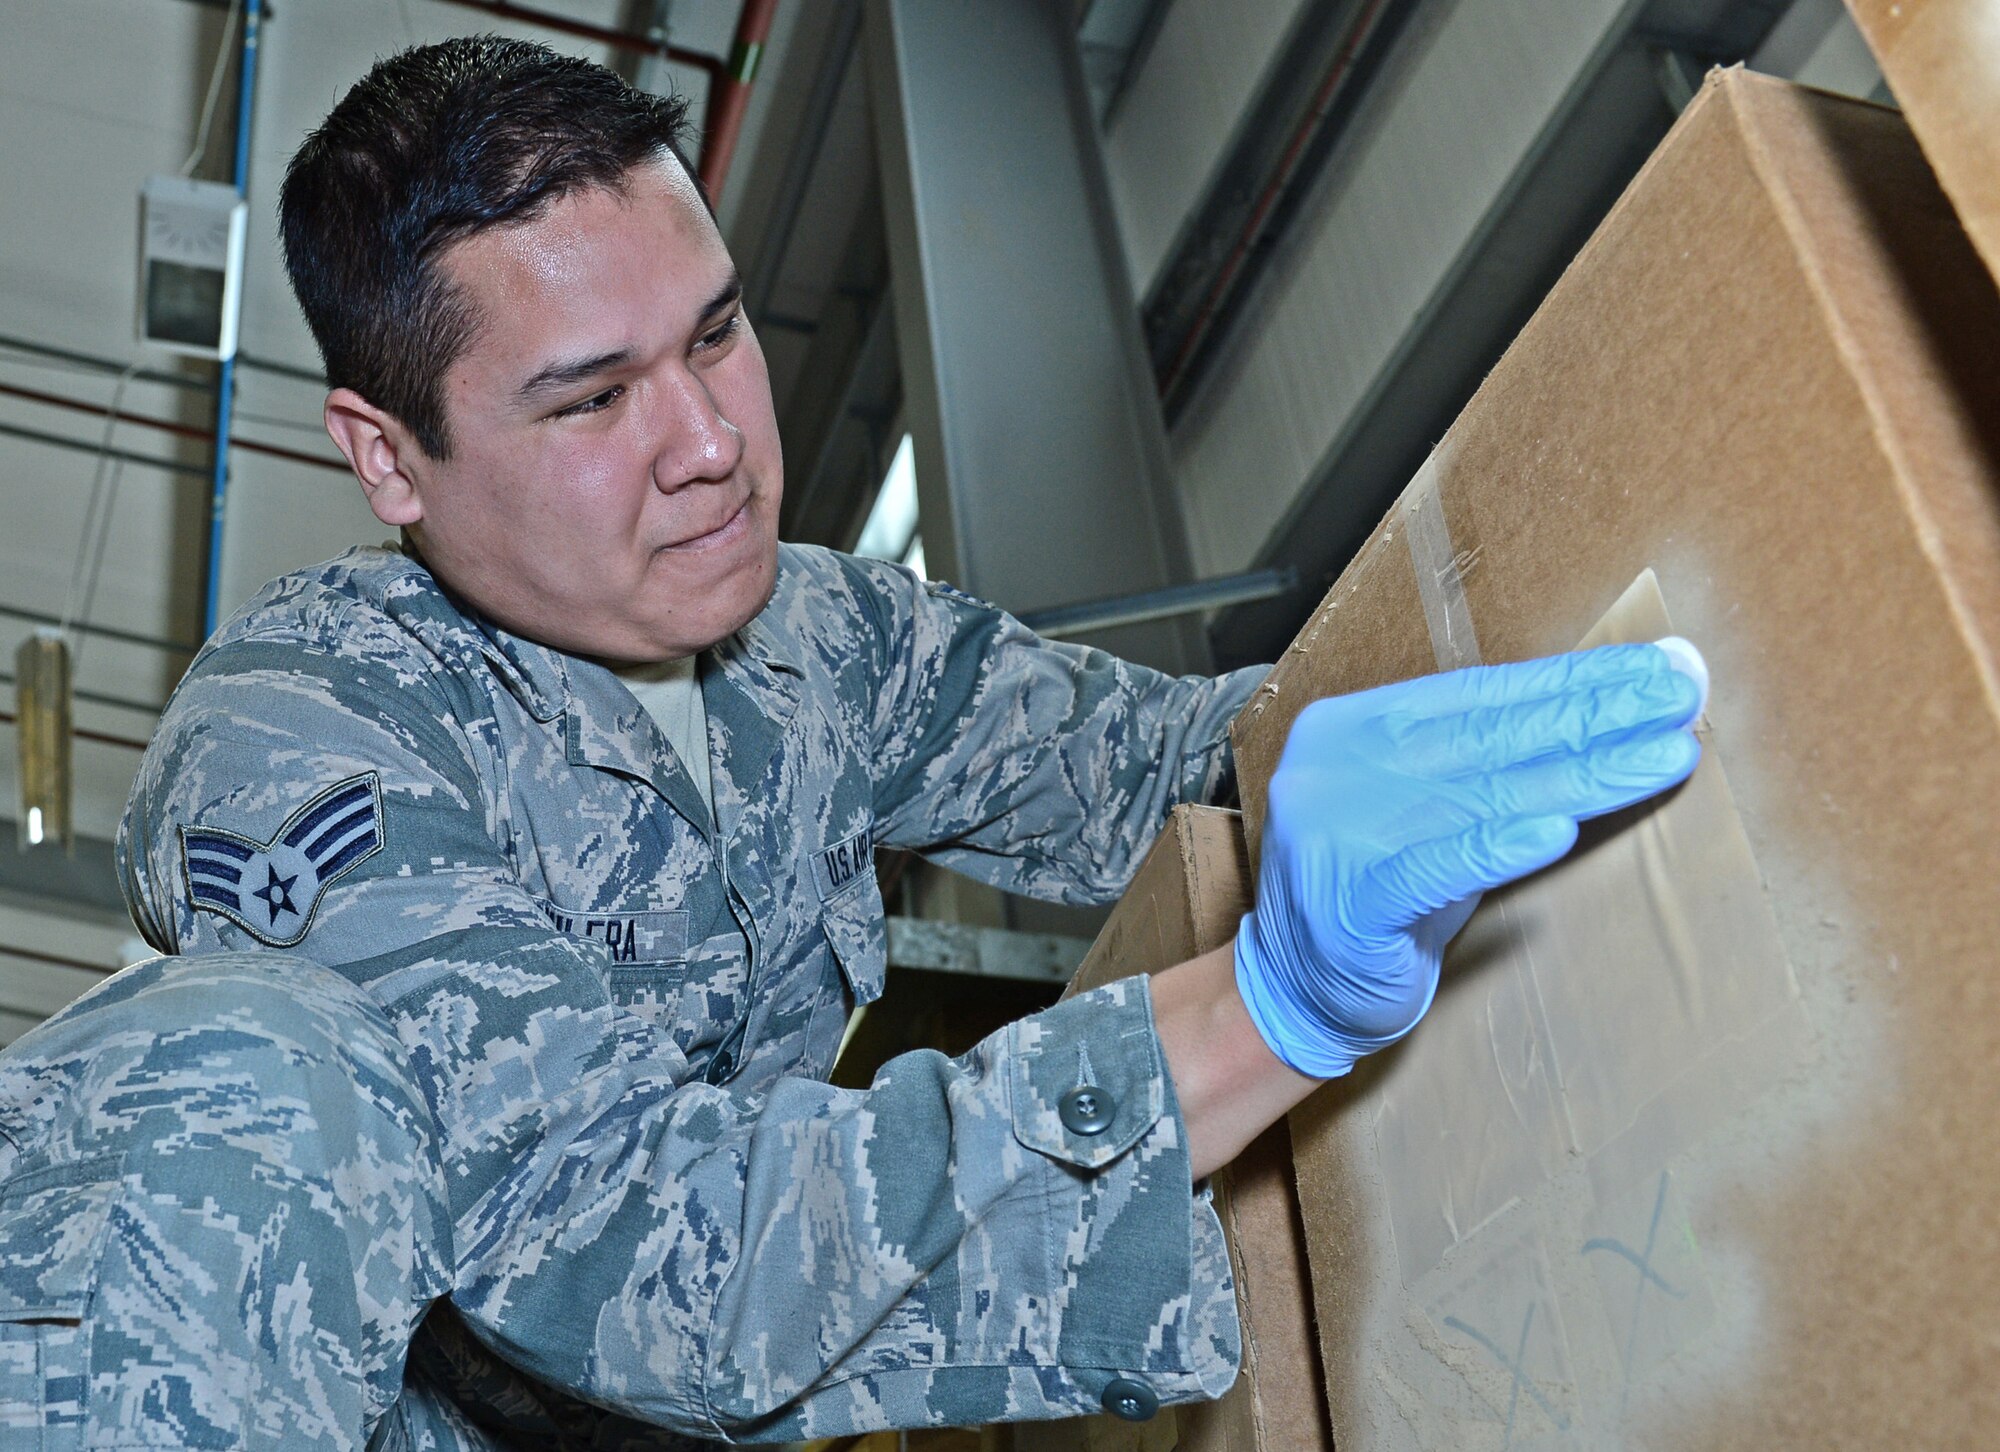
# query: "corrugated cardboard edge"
1185, 900
1969, 577
1940, 58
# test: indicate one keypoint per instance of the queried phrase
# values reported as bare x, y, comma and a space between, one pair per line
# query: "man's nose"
696, 442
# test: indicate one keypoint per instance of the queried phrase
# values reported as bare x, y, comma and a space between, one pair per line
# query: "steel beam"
1065, 621
1042, 472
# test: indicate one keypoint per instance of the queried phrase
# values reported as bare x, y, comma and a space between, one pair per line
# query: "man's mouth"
725, 533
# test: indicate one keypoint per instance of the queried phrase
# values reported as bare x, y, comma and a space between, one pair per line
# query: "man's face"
615, 473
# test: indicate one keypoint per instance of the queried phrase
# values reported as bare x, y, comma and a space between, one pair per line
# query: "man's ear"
382, 452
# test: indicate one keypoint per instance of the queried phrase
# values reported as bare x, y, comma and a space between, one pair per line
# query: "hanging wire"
316, 428
214, 87
90, 543
27, 359
42, 364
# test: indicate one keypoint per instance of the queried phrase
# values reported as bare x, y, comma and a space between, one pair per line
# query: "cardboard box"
1942, 59
1695, 1150
1186, 900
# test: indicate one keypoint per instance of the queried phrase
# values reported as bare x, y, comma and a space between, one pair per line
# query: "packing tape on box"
1440, 571
1548, 1150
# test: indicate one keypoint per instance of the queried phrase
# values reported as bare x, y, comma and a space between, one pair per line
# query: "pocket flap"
52, 1227
653, 988
860, 939
1100, 1043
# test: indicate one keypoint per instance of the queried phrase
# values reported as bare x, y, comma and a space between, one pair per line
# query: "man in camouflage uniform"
481, 1102
490, 1028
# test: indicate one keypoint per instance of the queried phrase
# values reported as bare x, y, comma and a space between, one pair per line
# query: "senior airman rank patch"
272, 889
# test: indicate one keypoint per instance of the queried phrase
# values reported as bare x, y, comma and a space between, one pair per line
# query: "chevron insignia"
272, 889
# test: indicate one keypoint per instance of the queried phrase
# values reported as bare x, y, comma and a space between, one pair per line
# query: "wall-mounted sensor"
190, 265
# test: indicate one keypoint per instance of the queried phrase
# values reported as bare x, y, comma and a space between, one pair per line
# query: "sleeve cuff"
1147, 1289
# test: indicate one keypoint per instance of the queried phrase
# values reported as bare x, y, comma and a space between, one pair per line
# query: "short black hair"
434, 145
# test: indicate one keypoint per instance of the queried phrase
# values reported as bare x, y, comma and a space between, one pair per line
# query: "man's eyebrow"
727, 296
566, 371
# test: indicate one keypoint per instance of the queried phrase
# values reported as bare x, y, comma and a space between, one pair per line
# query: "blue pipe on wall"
225, 389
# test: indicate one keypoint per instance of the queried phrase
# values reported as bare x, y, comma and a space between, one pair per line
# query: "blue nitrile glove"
1392, 810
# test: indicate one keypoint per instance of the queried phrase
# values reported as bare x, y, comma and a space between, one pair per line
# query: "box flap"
1942, 59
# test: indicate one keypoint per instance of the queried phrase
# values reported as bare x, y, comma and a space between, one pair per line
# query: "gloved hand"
1392, 810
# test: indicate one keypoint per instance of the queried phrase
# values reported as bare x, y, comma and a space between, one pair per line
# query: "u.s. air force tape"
272, 889
839, 867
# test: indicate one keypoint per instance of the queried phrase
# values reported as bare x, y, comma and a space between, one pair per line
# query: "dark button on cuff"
1132, 1400
1086, 1109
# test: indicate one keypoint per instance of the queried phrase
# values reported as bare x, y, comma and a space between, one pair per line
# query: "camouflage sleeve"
804, 1261
1042, 767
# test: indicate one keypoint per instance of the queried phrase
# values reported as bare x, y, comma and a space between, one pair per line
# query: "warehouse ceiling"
1234, 137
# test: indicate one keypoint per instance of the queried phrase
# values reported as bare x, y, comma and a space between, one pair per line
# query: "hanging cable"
214, 88
225, 379
96, 525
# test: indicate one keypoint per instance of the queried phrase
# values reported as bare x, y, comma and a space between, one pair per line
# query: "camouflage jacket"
621, 1011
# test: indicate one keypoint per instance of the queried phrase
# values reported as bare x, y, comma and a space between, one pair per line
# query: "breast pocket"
648, 952
52, 1228
859, 937
850, 898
